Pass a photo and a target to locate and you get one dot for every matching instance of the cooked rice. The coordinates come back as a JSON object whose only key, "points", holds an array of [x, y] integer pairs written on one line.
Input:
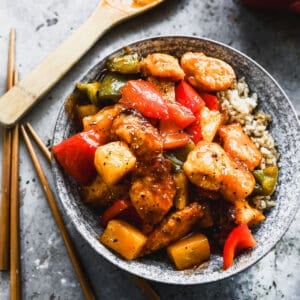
{"points": [[240, 107]]}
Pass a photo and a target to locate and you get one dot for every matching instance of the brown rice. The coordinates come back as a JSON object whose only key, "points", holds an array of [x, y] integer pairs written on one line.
{"points": [[240, 107]]}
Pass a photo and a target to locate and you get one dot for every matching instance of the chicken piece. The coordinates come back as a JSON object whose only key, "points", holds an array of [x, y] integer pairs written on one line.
{"points": [[209, 167], [99, 194], [102, 121], [162, 65], [243, 213], [205, 165], [238, 145], [207, 73], [237, 182], [166, 87], [144, 139], [210, 121], [152, 191], [174, 227]]}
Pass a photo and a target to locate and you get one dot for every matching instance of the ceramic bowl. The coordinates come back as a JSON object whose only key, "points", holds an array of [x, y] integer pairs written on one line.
{"points": [[284, 128]]}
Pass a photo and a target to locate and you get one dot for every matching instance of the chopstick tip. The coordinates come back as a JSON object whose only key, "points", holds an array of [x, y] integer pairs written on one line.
{"points": [[13, 32], [22, 127]]}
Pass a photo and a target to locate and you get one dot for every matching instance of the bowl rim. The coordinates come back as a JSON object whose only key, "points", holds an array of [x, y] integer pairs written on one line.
{"points": [[123, 264]]}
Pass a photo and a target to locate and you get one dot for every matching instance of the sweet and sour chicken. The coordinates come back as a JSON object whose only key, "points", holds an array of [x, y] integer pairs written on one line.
{"points": [[157, 157]]}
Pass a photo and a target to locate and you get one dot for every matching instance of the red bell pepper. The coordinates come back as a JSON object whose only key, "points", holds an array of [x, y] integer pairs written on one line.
{"points": [[173, 136], [187, 96], [131, 216], [122, 209], [194, 131], [175, 140], [239, 238], [211, 101], [76, 155], [144, 97], [114, 210], [181, 115]]}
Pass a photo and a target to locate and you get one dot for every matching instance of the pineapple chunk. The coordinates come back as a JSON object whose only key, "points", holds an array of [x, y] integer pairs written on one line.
{"points": [[211, 120], [181, 196], [123, 238], [190, 251], [113, 161], [83, 111]]}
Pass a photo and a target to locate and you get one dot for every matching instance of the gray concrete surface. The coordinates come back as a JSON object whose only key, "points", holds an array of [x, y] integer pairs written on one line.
{"points": [[273, 40]]}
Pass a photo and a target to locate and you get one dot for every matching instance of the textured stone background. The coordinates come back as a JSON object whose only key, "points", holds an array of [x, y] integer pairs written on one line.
{"points": [[273, 40]]}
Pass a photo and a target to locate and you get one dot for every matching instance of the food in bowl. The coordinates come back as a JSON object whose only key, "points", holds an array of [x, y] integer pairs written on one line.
{"points": [[174, 153]]}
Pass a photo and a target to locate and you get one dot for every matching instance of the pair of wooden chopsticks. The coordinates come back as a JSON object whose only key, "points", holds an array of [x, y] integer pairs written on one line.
{"points": [[141, 283], [9, 213], [86, 288], [6, 168]]}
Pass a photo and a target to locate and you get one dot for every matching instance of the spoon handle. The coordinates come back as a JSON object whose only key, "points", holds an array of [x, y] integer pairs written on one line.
{"points": [[19, 99]]}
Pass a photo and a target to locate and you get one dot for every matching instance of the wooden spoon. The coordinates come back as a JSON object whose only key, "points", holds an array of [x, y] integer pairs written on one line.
{"points": [[19, 99]]}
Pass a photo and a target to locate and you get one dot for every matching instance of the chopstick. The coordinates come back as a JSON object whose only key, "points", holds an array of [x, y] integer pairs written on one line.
{"points": [[145, 287], [11, 59], [39, 142], [86, 289], [15, 272], [6, 167], [141, 283]]}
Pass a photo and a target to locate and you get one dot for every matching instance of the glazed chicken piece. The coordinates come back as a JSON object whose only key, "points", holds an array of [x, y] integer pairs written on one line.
{"points": [[207, 73], [237, 183], [143, 138], [239, 146], [205, 165], [243, 213], [163, 66], [174, 227], [209, 167], [102, 121], [152, 191]]}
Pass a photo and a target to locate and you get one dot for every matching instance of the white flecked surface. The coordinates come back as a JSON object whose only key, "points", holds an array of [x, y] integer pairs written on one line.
{"points": [[271, 39]]}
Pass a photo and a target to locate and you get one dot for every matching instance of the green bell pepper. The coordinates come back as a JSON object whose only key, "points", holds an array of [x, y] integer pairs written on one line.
{"points": [[111, 85], [91, 90], [182, 152], [266, 180], [105, 92], [125, 64]]}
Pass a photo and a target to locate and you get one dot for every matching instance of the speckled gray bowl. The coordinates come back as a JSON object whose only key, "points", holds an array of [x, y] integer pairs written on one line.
{"points": [[284, 128]]}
